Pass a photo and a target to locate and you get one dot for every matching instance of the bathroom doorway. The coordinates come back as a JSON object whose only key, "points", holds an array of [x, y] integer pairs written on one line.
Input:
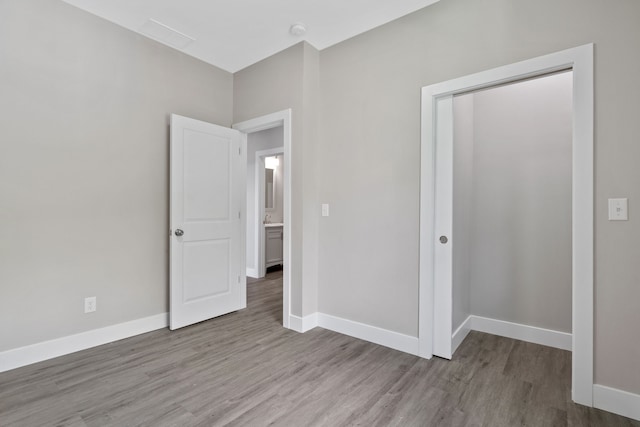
{"points": [[269, 202]]}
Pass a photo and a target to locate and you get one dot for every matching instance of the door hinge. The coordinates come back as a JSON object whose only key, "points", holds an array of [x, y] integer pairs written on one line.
{"points": [[238, 214], [238, 151], [238, 279]]}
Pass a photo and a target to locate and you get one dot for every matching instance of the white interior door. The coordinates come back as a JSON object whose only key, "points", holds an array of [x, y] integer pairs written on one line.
{"points": [[208, 198], [443, 253]]}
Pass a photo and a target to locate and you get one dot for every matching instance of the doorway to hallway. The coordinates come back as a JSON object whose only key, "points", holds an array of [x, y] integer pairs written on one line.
{"points": [[281, 119]]}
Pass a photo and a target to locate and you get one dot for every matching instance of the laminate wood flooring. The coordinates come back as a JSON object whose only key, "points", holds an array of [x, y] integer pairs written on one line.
{"points": [[245, 369]]}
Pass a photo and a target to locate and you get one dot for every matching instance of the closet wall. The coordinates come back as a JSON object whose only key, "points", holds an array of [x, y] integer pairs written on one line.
{"points": [[512, 203]]}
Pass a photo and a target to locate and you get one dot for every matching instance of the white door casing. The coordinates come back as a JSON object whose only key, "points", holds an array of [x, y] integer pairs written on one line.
{"points": [[207, 204], [434, 331]]}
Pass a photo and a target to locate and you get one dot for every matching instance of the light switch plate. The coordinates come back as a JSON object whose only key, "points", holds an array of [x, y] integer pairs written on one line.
{"points": [[618, 210], [325, 209]]}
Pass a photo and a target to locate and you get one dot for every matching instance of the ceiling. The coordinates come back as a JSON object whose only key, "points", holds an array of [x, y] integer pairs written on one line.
{"points": [[233, 34]]}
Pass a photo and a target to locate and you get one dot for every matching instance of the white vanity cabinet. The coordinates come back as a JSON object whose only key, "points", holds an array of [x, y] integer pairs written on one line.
{"points": [[273, 244]]}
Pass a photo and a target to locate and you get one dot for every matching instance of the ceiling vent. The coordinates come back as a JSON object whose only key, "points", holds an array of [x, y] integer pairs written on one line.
{"points": [[165, 34]]}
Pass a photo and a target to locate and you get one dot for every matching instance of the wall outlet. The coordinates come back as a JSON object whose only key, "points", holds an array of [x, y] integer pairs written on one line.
{"points": [[90, 304]]}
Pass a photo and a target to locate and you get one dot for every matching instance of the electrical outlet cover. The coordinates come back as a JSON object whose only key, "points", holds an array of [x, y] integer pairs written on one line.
{"points": [[90, 304]]}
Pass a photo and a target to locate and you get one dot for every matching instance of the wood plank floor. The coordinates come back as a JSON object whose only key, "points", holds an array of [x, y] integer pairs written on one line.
{"points": [[244, 369]]}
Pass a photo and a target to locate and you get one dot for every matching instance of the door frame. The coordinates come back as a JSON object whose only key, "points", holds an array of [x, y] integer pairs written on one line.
{"points": [[437, 129], [260, 209], [269, 121]]}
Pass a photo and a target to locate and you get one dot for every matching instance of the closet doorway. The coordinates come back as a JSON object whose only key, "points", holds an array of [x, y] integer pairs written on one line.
{"points": [[437, 238], [511, 214]]}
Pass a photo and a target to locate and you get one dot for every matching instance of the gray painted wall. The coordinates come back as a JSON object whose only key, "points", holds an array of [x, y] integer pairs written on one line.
{"points": [[370, 150], [512, 203], [84, 114], [289, 79]]}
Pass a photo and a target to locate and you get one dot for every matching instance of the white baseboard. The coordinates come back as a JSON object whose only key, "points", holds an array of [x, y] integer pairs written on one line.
{"points": [[309, 322], [34, 353], [303, 324], [460, 334], [253, 273], [295, 323], [561, 340], [373, 334], [616, 401]]}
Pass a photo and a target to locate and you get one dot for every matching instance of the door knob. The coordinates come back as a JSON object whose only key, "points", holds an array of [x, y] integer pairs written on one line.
{"points": [[179, 232], [443, 239]]}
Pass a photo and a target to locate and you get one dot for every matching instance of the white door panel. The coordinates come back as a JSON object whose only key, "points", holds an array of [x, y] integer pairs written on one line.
{"points": [[443, 254], [208, 165], [206, 177], [206, 272]]}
